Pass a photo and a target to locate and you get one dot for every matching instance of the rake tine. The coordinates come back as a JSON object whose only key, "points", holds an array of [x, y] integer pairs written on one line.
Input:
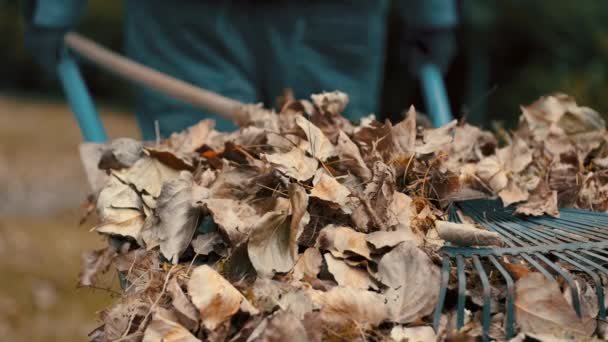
{"points": [[445, 277], [591, 214], [510, 299], [494, 227], [593, 275], [462, 288], [578, 227], [599, 289], [577, 238], [597, 256], [563, 234], [537, 237], [486, 297]]}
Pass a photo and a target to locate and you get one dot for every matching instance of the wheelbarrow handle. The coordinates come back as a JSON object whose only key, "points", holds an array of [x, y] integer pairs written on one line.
{"points": [[80, 101], [146, 76], [435, 95], [82, 104]]}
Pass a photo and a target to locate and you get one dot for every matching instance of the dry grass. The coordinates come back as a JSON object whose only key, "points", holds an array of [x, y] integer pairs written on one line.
{"points": [[41, 187]]}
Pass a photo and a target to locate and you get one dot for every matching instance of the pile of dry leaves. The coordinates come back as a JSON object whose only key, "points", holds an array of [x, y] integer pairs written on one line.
{"points": [[303, 226]]}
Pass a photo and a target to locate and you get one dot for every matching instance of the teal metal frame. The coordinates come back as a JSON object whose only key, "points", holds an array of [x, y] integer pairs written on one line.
{"points": [[435, 95], [578, 238], [80, 100]]}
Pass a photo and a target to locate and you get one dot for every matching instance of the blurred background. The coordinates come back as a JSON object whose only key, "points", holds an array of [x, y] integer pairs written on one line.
{"points": [[509, 53]]}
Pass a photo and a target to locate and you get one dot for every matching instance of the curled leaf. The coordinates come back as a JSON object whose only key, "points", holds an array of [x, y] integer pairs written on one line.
{"points": [[343, 242], [347, 275], [308, 265], [413, 282], [178, 216], [294, 164], [273, 243], [214, 297], [464, 234], [344, 305], [320, 147], [541, 309], [164, 329]]}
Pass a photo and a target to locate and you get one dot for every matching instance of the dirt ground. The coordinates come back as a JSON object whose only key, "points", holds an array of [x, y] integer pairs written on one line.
{"points": [[42, 186]]}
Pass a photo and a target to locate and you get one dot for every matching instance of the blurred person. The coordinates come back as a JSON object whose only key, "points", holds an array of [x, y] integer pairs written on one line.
{"points": [[252, 50]]}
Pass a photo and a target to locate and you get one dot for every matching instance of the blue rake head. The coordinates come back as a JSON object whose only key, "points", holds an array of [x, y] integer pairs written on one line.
{"points": [[578, 239]]}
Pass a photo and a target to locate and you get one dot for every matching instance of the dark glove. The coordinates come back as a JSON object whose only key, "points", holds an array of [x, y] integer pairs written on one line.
{"points": [[46, 22], [433, 45]]}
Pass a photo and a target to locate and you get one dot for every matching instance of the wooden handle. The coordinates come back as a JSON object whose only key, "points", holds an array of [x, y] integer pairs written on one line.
{"points": [[133, 71]]}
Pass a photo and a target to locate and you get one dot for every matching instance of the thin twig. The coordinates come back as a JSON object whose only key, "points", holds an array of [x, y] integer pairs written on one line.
{"points": [[93, 287], [271, 189], [160, 295]]}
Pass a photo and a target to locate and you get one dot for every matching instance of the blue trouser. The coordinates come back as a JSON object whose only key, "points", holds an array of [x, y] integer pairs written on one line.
{"points": [[251, 52]]}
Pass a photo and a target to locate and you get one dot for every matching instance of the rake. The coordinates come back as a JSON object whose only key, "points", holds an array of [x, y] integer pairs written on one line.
{"points": [[578, 238]]}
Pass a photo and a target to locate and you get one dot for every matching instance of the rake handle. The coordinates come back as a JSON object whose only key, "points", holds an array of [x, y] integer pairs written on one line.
{"points": [[139, 73]]}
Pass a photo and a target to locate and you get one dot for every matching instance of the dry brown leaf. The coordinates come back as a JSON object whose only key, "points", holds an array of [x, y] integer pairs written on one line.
{"points": [[296, 302], [540, 308], [470, 143], [348, 276], [542, 201], [400, 208], [350, 157], [170, 158], [273, 242], [404, 133], [117, 202], [382, 239], [281, 326], [234, 218], [345, 305], [343, 242], [266, 293], [436, 138], [512, 193], [379, 194], [93, 263], [517, 270], [308, 265], [121, 153], [116, 319], [181, 303], [178, 215], [204, 244], [464, 234], [559, 113], [515, 157], [490, 171], [129, 228], [413, 334], [162, 328], [413, 282], [147, 175], [215, 298], [319, 146], [497, 169], [332, 102], [192, 138], [329, 189], [294, 164]]}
